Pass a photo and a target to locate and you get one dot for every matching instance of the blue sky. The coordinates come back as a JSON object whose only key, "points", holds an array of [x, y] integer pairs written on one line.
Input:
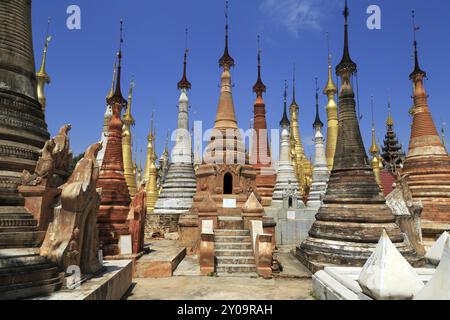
{"points": [[80, 61]]}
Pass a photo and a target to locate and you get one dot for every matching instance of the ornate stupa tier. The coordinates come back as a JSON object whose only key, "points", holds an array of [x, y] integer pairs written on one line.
{"points": [[320, 173], [392, 153], [23, 130], [354, 211], [427, 164], [179, 184]]}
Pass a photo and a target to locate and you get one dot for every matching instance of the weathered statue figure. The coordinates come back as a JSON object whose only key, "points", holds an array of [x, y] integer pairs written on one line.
{"points": [[136, 219], [53, 163], [72, 237], [407, 212]]}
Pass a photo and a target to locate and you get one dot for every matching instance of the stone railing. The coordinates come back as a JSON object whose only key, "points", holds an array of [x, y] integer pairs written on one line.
{"points": [[207, 263], [262, 249]]}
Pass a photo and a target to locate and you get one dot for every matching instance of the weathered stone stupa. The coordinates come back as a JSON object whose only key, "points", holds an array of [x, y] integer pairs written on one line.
{"points": [[320, 170], [427, 164], [179, 186], [354, 211], [260, 149], [115, 200], [225, 176], [23, 132]]}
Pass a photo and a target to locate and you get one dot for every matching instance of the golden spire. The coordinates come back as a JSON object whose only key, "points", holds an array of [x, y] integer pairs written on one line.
{"points": [[128, 117], [390, 120], [330, 88], [151, 188], [375, 152], [127, 144], [42, 77]]}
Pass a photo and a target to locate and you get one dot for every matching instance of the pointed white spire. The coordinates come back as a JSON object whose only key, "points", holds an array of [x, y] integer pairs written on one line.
{"points": [[434, 254], [387, 275], [439, 286]]}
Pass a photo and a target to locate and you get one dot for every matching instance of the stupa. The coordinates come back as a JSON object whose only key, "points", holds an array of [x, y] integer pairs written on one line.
{"points": [[320, 170], [302, 165], [260, 150], [392, 153], [330, 91], [115, 199], [23, 132], [179, 186], [427, 164], [127, 145], [354, 211]]}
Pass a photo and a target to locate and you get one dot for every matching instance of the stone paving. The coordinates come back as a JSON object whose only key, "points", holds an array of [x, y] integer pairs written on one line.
{"points": [[293, 283]]}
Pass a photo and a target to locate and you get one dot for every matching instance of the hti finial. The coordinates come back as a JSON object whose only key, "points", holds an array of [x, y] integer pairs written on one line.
{"points": [[317, 123], [371, 109], [47, 37], [346, 12], [184, 83], [285, 120], [117, 97], [417, 70], [294, 102], [329, 50], [226, 61], [259, 86]]}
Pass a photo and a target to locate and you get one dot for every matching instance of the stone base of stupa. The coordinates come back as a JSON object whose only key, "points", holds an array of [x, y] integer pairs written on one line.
{"points": [[174, 200], [341, 283], [111, 284]]}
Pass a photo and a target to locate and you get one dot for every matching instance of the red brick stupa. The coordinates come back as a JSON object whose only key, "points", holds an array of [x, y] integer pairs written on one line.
{"points": [[115, 202], [427, 164], [260, 153]]}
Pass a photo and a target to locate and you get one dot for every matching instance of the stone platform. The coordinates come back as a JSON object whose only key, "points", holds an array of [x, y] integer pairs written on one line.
{"points": [[161, 261], [340, 283], [111, 284]]}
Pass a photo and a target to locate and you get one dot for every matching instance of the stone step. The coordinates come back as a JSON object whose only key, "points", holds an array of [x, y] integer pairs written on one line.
{"points": [[233, 245], [232, 239], [231, 222], [233, 252], [238, 275], [12, 259], [17, 229], [13, 210], [231, 232], [30, 289], [235, 268], [30, 239], [28, 273], [241, 260], [17, 221]]}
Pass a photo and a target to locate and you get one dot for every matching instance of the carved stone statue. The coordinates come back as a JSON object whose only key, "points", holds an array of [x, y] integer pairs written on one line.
{"points": [[53, 164], [407, 212], [136, 219], [72, 237]]}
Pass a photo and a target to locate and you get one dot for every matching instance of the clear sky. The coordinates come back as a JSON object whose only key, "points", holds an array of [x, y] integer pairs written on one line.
{"points": [[80, 61]]}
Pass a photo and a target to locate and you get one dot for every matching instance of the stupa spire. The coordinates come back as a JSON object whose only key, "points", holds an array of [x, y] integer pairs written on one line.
{"points": [[259, 88], [225, 118], [113, 82], [42, 77], [285, 120], [317, 122], [184, 83], [346, 62], [127, 145], [117, 96], [226, 61], [128, 117]]}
